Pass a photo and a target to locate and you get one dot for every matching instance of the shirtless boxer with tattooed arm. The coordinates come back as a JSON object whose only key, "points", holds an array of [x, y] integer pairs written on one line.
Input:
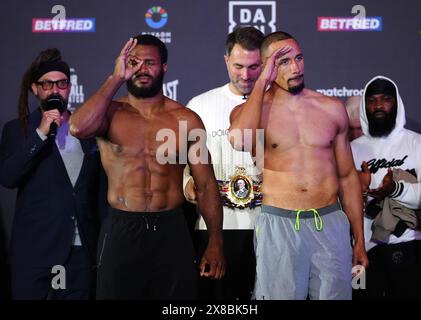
{"points": [[302, 235], [145, 250]]}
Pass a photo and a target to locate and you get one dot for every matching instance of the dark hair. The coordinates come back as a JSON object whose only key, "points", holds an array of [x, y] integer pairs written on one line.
{"points": [[274, 37], [149, 40], [32, 74], [248, 38]]}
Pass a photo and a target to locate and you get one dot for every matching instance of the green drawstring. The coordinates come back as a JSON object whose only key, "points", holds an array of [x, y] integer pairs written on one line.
{"points": [[318, 222], [297, 220]]}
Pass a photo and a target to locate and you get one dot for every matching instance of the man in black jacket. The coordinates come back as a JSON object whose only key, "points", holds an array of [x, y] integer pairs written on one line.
{"points": [[55, 227]]}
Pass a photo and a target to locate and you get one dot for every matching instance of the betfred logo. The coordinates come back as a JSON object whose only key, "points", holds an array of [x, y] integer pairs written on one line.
{"points": [[258, 14], [63, 25], [349, 24]]}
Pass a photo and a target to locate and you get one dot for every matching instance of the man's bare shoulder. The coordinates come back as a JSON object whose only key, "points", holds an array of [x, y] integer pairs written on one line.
{"points": [[182, 113], [123, 99], [235, 112], [322, 99], [331, 105], [116, 105]]}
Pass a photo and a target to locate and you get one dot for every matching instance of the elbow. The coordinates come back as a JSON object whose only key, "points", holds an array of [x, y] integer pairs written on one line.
{"points": [[75, 129], [76, 132], [235, 138], [237, 145]]}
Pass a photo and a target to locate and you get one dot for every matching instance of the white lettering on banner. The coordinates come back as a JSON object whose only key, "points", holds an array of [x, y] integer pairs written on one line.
{"points": [[76, 96], [245, 16], [349, 24], [63, 25], [259, 17], [165, 37], [258, 14], [341, 92], [170, 89]]}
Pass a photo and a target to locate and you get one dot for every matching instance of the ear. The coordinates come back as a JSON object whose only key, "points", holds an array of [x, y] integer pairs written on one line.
{"points": [[226, 58], [165, 67], [34, 89]]}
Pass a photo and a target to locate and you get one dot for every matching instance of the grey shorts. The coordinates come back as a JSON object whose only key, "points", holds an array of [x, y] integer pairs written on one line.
{"points": [[300, 254]]}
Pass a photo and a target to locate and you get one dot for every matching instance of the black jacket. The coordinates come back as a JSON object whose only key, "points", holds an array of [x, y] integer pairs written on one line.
{"points": [[47, 203]]}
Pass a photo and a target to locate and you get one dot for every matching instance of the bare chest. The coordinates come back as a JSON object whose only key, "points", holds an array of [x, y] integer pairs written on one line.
{"points": [[133, 135], [286, 129]]}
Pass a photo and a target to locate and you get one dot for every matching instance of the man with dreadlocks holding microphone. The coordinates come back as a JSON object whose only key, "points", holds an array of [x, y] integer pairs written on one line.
{"points": [[55, 227]]}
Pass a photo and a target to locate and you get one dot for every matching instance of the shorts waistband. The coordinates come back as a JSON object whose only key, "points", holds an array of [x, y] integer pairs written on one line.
{"points": [[142, 215], [304, 213]]}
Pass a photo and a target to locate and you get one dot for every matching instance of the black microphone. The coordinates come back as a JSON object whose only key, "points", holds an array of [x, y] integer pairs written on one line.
{"points": [[51, 103], [53, 130]]}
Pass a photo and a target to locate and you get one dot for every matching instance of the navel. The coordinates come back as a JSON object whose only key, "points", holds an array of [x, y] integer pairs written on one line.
{"points": [[274, 145]]}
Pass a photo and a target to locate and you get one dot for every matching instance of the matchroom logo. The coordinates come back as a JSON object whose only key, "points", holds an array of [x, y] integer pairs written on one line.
{"points": [[349, 24], [258, 14], [341, 92]]}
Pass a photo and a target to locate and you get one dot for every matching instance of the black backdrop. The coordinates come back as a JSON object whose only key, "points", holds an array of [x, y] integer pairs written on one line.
{"points": [[195, 32]]}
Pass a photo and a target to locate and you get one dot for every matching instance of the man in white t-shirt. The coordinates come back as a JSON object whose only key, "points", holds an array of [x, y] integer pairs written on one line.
{"points": [[242, 57]]}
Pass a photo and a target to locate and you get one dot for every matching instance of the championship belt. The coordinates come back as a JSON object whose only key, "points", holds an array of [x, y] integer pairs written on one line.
{"points": [[240, 191]]}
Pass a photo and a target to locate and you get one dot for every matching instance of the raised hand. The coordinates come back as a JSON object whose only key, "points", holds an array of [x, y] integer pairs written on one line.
{"points": [[386, 188], [47, 118], [270, 69], [365, 177], [127, 65]]}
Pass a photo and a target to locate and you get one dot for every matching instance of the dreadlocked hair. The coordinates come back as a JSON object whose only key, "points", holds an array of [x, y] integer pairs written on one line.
{"points": [[47, 55]]}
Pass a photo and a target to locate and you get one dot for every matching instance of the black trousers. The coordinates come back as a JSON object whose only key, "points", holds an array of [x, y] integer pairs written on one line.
{"points": [[146, 256], [238, 282], [394, 272], [36, 283]]}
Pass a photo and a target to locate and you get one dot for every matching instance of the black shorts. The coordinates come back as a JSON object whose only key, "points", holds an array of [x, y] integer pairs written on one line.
{"points": [[146, 256], [240, 262]]}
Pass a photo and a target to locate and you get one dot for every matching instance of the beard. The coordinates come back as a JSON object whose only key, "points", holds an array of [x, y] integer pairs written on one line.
{"points": [[244, 88], [54, 101], [297, 88], [146, 92], [382, 127]]}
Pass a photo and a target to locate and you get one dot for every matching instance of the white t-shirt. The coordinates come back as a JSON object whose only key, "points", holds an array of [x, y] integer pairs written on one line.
{"points": [[214, 108]]}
